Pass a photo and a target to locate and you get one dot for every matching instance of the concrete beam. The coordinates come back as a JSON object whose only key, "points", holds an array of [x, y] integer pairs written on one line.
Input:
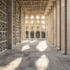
{"points": [[50, 3]]}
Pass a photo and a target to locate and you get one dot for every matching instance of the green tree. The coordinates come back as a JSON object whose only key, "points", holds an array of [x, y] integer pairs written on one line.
{"points": [[26, 27], [37, 27], [32, 27]]}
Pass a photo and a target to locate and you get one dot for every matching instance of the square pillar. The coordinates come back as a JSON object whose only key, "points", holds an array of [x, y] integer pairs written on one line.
{"points": [[52, 25], [49, 28], [63, 25], [55, 27], [58, 24], [67, 27], [29, 35], [10, 24], [40, 34], [46, 26], [21, 22], [22, 32], [34, 34]]}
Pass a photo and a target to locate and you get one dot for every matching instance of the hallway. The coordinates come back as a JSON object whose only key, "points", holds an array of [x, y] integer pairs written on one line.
{"points": [[34, 55]]}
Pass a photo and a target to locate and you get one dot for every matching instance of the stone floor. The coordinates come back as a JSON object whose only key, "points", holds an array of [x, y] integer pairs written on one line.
{"points": [[34, 55]]}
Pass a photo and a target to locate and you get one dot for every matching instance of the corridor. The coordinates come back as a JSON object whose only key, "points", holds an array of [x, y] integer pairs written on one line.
{"points": [[34, 55]]}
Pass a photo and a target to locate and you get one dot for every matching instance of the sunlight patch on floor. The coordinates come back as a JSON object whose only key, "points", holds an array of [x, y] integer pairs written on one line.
{"points": [[12, 65], [26, 47], [33, 41], [42, 62], [42, 46], [25, 41], [16, 62]]}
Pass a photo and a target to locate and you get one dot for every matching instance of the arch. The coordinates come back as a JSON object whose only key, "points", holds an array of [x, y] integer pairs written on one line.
{"points": [[32, 34], [43, 34], [27, 34], [37, 34]]}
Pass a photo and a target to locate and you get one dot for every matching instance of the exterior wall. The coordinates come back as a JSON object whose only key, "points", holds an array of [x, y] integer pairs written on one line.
{"points": [[55, 27], [58, 23], [63, 25], [3, 25]]}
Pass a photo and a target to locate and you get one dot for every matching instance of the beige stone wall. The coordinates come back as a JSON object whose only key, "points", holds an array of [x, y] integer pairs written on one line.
{"points": [[63, 25]]}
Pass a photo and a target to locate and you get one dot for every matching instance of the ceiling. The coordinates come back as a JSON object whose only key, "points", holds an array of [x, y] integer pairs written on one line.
{"points": [[34, 6]]}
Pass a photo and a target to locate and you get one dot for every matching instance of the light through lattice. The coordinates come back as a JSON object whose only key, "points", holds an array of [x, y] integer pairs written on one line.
{"points": [[37, 17], [32, 17], [26, 22], [32, 22], [43, 22], [43, 17]]}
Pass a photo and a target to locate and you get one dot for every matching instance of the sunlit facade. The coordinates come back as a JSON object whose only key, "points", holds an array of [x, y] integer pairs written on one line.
{"points": [[35, 26]]}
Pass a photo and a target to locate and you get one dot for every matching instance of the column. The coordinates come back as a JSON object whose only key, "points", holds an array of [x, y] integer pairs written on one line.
{"points": [[10, 24], [40, 34], [46, 26], [63, 25], [40, 28], [24, 31], [29, 28], [67, 27], [52, 24], [58, 24], [34, 34], [55, 27], [34, 28], [29, 34], [49, 28], [21, 22]]}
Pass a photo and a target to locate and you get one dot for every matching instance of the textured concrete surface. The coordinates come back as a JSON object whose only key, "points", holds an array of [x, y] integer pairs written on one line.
{"points": [[34, 55]]}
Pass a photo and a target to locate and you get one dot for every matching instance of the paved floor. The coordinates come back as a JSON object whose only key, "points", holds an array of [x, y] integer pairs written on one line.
{"points": [[34, 55]]}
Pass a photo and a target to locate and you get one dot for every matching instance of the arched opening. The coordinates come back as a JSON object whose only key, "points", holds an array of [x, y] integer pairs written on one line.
{"points": [[37, 34], [32, 34], [27, 34], [43, 34]]}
